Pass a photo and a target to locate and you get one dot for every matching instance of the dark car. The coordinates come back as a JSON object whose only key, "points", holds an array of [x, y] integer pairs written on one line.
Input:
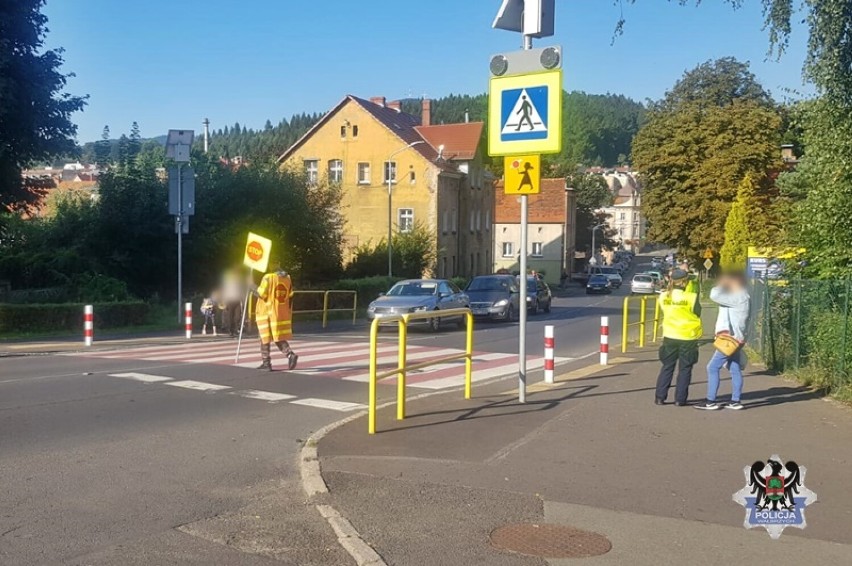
{"points": [[538, 295], [494, 296], [598, 284]]}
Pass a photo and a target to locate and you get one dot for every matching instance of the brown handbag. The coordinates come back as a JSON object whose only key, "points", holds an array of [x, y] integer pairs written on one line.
{"points": [[726, 344]]}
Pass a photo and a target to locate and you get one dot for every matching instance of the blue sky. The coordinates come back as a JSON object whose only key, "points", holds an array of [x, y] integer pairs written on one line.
{"points": [[168, 64]]}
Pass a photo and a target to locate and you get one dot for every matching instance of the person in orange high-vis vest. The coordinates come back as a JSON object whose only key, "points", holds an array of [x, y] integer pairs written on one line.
{"points": [[274, 316]]}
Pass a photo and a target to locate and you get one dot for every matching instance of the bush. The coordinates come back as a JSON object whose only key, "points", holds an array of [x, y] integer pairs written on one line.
{"points": [[69, 316], [368, 288], [460, 282]]}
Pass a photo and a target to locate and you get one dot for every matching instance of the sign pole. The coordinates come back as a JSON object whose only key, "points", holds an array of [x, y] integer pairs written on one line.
{"points": [[242, 326], [522, 323], [179, 242]]}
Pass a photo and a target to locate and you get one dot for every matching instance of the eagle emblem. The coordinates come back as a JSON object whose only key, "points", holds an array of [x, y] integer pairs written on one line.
{"points": [[775, 495]]}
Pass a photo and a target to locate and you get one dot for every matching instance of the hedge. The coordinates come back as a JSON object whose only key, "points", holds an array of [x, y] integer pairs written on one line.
{"points": [[368, 288], [69, 316]]}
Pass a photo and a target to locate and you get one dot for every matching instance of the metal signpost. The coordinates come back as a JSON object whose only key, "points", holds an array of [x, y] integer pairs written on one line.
{"points": [[181, 202], [525, 117]]}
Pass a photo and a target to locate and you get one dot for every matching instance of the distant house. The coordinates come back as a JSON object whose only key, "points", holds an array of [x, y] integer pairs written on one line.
{"points": [[435, 173], [625, 214], [551, 231]]}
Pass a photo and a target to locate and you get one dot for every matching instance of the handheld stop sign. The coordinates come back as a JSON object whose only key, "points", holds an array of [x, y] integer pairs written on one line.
{"points": [[257, 253]]}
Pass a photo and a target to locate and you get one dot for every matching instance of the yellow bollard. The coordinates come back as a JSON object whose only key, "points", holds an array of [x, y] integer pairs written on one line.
{"points": [[354, 307], [656, 316], [468, 361], [400, 376], [624, 316], [642, 317], [325, 309], [371, 403]]}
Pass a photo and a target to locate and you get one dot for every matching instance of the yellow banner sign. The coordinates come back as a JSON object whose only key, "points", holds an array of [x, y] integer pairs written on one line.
{"points": [[522, 175], [258, 249]]}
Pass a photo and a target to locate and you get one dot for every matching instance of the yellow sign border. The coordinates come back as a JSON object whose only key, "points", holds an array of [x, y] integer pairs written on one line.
{"points": [[266, 244], [553, 142]]}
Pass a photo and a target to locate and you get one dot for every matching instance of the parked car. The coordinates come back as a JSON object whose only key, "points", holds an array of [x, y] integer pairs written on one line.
{"points": [[539, 296], [420, 295], [613, 275], [643, 284], [598, 284], [494, 296]]}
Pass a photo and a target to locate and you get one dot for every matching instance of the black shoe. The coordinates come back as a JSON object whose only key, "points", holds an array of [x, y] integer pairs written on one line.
{"points": [[658, 401], [680, 403], [292, 360], [266, 365]]}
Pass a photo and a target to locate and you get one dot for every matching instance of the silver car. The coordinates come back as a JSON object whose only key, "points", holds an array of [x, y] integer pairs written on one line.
{"points": [[420, 295], [643, 284]]}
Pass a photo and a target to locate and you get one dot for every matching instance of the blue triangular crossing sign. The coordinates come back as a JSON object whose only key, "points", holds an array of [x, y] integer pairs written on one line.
{"points": [[524, 113]]}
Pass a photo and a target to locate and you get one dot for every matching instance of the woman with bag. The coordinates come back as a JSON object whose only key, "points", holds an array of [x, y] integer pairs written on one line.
{"points": [[731, 294]]}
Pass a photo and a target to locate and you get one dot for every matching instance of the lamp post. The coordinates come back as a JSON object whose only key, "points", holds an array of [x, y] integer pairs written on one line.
{"points": [[594, 229], [390, 209]]}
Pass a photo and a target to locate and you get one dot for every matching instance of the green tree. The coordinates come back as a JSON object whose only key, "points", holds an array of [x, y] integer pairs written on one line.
{"points": [[134, 145], [734, 252], [103, 148], [35, 112], [591, 193], [694, 150]]}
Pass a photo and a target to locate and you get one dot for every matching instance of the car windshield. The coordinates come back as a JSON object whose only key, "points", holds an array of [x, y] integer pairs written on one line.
{"points": [[597, 279], [643, 279], [609, 270], [490, 284], [413, 288]]}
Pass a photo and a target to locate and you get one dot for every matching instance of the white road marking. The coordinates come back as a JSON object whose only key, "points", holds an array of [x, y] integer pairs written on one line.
{"points": [[328, 404], [482, 375], [263, 395], [198, 385], [143, 377]]}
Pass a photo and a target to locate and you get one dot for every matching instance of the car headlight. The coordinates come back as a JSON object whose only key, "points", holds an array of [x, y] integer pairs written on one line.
{"points": [[501, 303], [372, 307], [529, 299], [418, 309]]}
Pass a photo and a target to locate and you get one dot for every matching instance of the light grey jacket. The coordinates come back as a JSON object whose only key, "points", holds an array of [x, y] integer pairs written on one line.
{"points": [[733, 311]]}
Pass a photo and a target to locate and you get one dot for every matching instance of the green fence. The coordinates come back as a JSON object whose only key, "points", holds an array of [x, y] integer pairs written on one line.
{"points": [[803, 326]]}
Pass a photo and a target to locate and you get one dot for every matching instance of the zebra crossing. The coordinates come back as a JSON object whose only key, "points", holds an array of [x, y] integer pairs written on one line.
{"points": [[347, 361]]}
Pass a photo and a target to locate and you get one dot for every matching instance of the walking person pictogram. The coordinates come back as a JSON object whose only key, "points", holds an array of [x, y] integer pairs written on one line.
{"points": [[525, 111], [526, 180]]}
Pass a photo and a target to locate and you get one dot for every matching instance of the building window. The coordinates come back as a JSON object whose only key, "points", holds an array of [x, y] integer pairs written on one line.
{"points": [[455, 215], [412, 177], [622, 216], [342, 131], [508, 249], [472, 221], [363, 173], [312, 170], [478, 222], [406, 219], [487, 220], [537, 249], [390, 172], [354, 131], [335, 171], [446, 223]]}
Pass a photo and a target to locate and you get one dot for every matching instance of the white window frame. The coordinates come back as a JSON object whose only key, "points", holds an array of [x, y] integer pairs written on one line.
{"points": [[537, 252], [335, 171], [389, 165], [507, 249], [312, 170], [405, 219], [358, 178]]}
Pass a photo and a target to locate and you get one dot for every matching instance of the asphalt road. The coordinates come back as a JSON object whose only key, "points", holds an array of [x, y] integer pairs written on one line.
{"points": [[98, 469]]}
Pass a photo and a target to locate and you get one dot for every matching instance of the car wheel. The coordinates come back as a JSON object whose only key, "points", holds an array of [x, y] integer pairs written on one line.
{"points": [[547, 308], [534, 309], [435, 323], [588, 292], [510, 313]]}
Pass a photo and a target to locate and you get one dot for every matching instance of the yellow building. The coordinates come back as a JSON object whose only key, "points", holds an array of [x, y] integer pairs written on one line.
{"points": [[435, 173]]}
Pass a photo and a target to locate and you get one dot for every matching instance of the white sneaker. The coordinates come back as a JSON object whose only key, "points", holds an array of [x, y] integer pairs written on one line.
{"points": [[708, 406], [736, 405]]}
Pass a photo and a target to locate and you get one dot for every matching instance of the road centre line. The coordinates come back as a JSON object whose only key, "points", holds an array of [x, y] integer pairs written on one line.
{"points": [[198, 385]]}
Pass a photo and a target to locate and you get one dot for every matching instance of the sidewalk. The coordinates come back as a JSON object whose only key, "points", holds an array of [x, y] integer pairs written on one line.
{"points": [[595, 453], [105, 340]]}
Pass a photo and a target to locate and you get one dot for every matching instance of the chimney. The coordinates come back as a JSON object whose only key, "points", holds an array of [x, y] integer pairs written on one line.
{"points": [[378, 100], [427, 112], [206, 124], [466, 116], [395, 105]]}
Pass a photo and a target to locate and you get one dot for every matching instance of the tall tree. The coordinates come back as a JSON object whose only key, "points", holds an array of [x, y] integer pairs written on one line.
{"points": [[734, 251], [695, 148], [35, 112], [134, 145], [103, 148]]}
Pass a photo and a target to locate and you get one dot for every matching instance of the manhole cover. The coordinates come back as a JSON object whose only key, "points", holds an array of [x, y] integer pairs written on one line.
{"points": [[549, 541]]}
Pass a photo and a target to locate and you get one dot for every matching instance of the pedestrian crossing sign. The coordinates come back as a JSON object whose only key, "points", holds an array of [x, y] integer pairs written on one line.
{"points": [[522, 175], [525, 114]]}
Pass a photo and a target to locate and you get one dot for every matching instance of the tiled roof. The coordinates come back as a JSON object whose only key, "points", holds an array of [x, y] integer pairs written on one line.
{"points": [[460, 141], [547, 207], [401, 124]]}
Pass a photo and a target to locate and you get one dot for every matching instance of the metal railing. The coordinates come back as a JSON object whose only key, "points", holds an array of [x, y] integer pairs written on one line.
{"points": [[643, 320], [401, 369], [325, 304]]}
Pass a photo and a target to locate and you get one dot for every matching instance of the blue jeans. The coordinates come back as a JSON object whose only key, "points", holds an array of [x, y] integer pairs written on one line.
{"points": [[734, 363]]}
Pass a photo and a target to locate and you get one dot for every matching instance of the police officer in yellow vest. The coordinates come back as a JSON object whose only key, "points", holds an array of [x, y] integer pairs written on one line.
{"points": [[681, 332], [274, 315]]}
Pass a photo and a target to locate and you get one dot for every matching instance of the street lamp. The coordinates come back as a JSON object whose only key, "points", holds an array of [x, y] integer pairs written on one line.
{"points": [[390, 212], [594, 229]]}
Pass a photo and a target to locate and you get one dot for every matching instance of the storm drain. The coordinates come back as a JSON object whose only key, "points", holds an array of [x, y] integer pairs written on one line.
{"points": [[549, 541]]}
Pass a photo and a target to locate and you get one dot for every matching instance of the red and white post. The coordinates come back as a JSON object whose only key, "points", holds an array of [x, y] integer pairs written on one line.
{"points": [[604, 340], [188, 319], [549, 343], [88, 324]]}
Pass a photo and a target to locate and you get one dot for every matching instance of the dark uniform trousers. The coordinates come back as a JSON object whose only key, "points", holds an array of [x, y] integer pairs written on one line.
{"points": [[684, 355]]}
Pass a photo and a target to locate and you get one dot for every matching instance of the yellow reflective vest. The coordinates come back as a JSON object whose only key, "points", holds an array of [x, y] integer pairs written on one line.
{"points": [[274, 307], [679, 319]]}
